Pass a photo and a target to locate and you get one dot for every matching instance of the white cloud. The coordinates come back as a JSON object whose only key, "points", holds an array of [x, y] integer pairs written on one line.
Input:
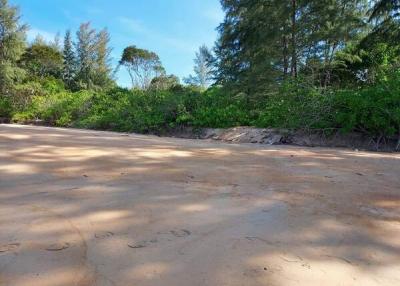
{"points": [[33, 33]]}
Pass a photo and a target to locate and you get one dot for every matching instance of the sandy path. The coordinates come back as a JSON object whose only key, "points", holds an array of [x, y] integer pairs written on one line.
{"points": [[98, 208]]}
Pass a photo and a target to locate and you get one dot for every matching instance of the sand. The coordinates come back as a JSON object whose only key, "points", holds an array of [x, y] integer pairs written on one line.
{"points": [[100, 208]]}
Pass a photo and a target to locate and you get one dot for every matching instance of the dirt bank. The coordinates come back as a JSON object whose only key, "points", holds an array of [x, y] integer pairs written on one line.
{"points": [[268, 136], [100, 208]]}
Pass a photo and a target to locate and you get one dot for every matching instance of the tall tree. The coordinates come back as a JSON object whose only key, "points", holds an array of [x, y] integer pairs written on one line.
{"points": [[56, 42], [385, 8], [294, 41], [264, 41], [102, 68], [202, 68], [386, 15], [334, 24], [86, 55], [142, 66], [12, 45], [69, 61]]}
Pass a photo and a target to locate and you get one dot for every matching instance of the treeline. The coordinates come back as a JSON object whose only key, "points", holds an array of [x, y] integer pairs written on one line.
{"points": [[324, 66], [327, 43]]}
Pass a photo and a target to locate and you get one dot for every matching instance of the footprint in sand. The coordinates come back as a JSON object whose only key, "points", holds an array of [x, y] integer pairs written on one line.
{"points": [[180, 233], [103, 234], [145, 243], [142, 244], [58, 246], [9, 247]]}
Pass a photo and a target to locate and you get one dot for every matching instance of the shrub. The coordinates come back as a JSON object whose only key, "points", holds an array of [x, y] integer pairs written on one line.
{"points": [[373, 110], [297, 106], [6, 109], [218, 109]]}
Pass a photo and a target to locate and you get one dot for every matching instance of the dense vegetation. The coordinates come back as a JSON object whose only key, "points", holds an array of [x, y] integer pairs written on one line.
{"points": [[317, 65]]}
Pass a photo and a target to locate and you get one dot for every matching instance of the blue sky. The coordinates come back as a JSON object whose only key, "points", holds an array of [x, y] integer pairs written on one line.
{"points": [[174, 29]]}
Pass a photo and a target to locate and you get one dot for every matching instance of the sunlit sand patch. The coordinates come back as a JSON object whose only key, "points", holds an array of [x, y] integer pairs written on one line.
{"points": [[15, 136], [164, 153], [195, 208], [17, 169], [150, 271], [105, 216], [53, 277]]}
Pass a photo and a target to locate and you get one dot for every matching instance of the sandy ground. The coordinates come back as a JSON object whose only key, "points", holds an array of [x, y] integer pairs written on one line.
{"points": [[98, 208]]}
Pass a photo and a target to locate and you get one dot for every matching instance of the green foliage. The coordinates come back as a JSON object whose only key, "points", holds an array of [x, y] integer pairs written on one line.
{"points": [[218, 109], [142, 66], [296, 64], [42, 60], [203, 74], [12, 44], [374, 110], [6, 109], [92, 54], [297, 105], [55, 106], [63, 108], [165, 82], [140, 111], [69, 61], [262, 43]]}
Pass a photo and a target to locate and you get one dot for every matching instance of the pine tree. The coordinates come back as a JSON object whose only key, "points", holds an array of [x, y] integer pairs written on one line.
{"points": [[263, 42], [86, 55], [56, 42], [386, 8], [254, 47], [69, 63], [102, 72], [12, 45], [203, 69]]}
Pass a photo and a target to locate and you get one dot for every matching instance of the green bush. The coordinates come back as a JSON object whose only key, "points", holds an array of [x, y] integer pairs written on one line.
{"points": [[218, 109], [6, 109], [373, 110], [140, 111], [297, 106]]}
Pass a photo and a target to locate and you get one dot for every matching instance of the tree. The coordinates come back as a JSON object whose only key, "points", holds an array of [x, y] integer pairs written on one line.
{"points": [[335, 24], [254, 48], [385, 14], [164, 82], [202, 69], [102, 69], [56, 42], [93, 63], [12, 45], [386, 8], [86, 55], [42, 60], [142, 66], [263, 42], [69, 61]]}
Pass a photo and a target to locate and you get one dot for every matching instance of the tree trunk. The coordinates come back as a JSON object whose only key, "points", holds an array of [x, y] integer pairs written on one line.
{"points": [[294, 42], [285, 54]]}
